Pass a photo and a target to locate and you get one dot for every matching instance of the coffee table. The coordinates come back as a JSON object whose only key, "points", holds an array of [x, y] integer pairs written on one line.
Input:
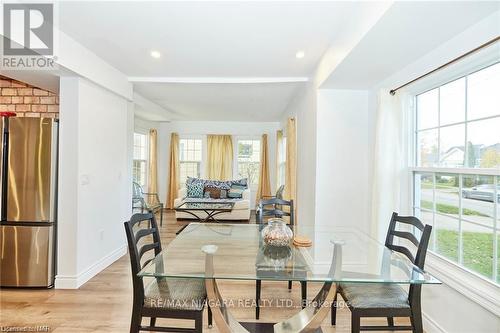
{"points": [[210, 208]]}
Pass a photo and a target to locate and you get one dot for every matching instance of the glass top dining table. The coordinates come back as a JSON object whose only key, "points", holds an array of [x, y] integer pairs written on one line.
{"points": [[237, 252]]}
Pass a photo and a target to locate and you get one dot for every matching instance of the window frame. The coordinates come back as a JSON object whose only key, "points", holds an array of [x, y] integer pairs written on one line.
{"points": [[145, 133], [444, 266], [203, 153], [236, 162]]}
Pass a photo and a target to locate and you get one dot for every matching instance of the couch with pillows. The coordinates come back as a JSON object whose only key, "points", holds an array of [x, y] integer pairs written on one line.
{"points": [[204, 190]]}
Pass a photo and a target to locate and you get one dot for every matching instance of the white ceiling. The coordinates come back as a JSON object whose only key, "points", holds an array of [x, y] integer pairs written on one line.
{"points": [[221, 102], [211, 39], [406, 32]]}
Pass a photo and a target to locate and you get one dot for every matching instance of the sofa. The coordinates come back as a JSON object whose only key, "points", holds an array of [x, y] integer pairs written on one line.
{"points": [[241, 209]]}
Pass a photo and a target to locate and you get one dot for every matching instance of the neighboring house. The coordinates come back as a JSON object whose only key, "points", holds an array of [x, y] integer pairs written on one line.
{"points": [[454, 157]]}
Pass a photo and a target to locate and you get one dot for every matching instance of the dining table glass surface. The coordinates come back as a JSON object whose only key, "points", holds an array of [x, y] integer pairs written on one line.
{"points": [[238, 252]]}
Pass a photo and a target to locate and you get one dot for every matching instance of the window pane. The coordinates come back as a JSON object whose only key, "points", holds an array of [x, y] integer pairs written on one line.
{"points": [[426, 218], [484, 143], [424, 191], [478, 249], [427, 148], [427, 109], [477, 199], [447, 200], [451, 144], [452, 102], [498, 256], [446, 233], [483, 99]]}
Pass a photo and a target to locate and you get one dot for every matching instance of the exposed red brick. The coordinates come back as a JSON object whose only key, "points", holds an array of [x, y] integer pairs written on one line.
{"points": [[31, 100], [47, 100], [40, 92], [5, 100], [23, 107], [39, 108], [9, 92], [7, 107], [17, 84], [53, 108], [19, 114], [5, 83], [17, 100], [50, 115], [25, 91], [32, 114]]}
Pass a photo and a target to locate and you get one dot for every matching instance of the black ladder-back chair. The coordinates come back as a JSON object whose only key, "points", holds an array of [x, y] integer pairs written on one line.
{"points": [[153, 301], [389, 300], [276, 212]]}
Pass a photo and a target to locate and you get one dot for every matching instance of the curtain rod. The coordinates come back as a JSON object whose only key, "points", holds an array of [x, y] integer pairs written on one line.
{"points": [[494, 40]]}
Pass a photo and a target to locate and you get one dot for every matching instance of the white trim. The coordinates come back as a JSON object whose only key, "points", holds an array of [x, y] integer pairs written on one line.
{"points": [[430, 325], [466, 171], [216, 80], [76, 281], [481, 291]]}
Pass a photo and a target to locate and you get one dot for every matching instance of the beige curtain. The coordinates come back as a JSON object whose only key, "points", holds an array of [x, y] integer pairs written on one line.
{"points": [[153, 160], [291, 161], [279, 153], [264, 188], [220, 157], [173, 179]]}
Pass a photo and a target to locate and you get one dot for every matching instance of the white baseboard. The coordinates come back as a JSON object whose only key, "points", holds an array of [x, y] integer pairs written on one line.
{"points": [[430, 325], [76, 281]]}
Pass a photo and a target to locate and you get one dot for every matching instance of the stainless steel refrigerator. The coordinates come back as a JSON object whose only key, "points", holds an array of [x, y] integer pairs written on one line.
{"points": [[28, 199]]}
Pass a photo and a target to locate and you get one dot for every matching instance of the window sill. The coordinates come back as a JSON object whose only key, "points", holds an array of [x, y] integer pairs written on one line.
{"points": [[479, 290]]}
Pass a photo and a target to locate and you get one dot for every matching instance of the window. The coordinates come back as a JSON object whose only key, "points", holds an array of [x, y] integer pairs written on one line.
{"points": [[281, 162], [190, 157], [458, 128], [140, 162], [249, 160]]}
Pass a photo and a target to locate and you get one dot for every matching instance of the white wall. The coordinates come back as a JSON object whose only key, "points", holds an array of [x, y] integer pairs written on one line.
{"points": [[95, 178], [202, 128], [459, 305]]}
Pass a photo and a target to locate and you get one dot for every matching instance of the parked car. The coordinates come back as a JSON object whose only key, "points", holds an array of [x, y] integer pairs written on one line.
{"points": [[484, 192]]}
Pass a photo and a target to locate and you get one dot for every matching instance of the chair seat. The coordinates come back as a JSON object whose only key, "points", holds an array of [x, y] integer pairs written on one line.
{"points": [[374, 295], [175, 294]]}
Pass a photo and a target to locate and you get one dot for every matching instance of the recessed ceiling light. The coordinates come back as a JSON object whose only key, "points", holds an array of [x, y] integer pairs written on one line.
{"points": [[155, 54], [300, 54]]}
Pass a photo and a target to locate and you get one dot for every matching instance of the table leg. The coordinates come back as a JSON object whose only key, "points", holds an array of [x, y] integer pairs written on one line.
{"points": [[184, 227]]}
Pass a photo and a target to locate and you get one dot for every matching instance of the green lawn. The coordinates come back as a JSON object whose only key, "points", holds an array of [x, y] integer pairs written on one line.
{"points": [[449, 209], [477, 249]]}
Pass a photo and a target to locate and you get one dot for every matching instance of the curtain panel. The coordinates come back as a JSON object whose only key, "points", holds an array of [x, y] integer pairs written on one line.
{"points": [[279, 154], [153, 161], [219, 157], [264, 188], [173, 177], [389, 161], [291, 160]]}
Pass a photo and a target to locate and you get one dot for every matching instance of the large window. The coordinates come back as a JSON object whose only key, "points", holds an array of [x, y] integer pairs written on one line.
{"points": [[249, 160], [457, 174], [190, 157], [140, 162]]}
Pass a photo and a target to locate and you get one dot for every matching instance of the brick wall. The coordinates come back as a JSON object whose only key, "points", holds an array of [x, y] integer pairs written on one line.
{"points": [[26, 100]]}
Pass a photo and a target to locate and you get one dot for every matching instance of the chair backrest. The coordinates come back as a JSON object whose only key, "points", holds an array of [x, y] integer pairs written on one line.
{"points": [[273, 210], [421, 244], [137, 251], [279, 192], [137, 192]]}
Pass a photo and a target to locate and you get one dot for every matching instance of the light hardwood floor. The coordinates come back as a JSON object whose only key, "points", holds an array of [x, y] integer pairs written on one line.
{"points": [[104, 303]]}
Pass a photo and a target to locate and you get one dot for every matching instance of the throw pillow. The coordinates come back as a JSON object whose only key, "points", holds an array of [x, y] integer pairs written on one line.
{"points": [[236, 191], [213, 192], [195, 190], [241, 182]]}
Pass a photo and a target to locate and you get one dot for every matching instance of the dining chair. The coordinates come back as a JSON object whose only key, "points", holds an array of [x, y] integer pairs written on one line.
{"points": [[390, 300], [161, 297], [146, 201], [273, 211]]}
